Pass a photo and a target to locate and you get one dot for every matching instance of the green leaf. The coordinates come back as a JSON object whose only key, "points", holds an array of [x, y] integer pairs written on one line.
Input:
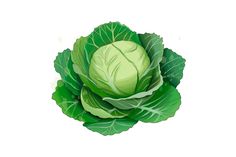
{"points": [[159, 106], [70, 104], [63, 65], [80, 65], [111, 126], [153, 44], [136, 99], [129, 102], [98, 107], [157, 80], [154, 47], [78, 56], [172, 66]]}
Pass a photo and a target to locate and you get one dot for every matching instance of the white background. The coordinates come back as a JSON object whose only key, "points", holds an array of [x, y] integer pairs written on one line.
{"points": [[33, 32]]}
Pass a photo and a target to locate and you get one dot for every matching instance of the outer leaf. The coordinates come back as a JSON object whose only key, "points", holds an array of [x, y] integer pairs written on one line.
{"points": [[172, 67], [111, 126], [81, 66], [70, 104], [159, 106], [63, 66], [151, 78], [153, 45], [157, 80], [98, 107], [78, 56]]}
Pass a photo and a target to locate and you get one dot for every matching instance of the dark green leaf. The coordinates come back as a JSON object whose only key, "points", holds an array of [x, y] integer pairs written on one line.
{"points": [[159, 106], [63, 65], [153, 45], [71, 105], [172, 66], [111, 126]]}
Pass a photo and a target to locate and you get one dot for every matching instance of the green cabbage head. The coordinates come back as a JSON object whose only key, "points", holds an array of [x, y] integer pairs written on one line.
{"points": [[114, 78]]}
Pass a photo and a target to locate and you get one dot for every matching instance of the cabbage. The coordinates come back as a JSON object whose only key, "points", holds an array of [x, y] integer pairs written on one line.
{"points": [[114, 78]]}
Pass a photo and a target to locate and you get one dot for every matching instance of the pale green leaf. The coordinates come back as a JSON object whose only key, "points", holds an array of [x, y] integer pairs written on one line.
{"points": [[116, 67], [98, 107]]}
